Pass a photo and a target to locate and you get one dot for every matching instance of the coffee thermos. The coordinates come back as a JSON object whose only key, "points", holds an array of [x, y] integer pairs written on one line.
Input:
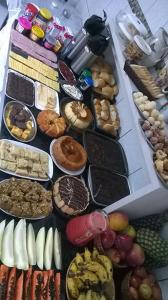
{"points": [[84, 59]]}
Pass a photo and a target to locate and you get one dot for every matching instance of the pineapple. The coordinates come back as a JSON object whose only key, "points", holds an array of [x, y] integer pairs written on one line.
{"points": [[153, 245], [153, 222]]}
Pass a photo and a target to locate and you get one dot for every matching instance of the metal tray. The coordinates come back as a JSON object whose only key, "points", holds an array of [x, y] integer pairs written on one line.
{"points": [[91, 186], [143, 133], [97, 127], [21, 145], [31, 117], [107, 164], [40, 107], [73, 173], [20, 75]]}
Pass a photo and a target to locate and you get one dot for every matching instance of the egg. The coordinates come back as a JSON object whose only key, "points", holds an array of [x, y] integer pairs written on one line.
{"points": [[151, 120], [154, 113], [153, 104]]}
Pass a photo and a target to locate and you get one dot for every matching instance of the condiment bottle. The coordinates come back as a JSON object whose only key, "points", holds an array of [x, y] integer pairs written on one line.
{"points": [[86, 83], [43, 18], [85, 73], [36, 33], [83, 229]]}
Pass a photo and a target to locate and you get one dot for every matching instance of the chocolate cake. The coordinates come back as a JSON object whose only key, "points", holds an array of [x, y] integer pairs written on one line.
{"points": [[21, 89], [70, 195]]}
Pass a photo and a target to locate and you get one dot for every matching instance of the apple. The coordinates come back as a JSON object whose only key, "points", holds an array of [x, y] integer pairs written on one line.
{"points": [[108, 238], [145, 291], [135, 281], [140, 272], [133, 293], [136, 256], [114, 255], [118, 221], [129, 230], [124, 242]]}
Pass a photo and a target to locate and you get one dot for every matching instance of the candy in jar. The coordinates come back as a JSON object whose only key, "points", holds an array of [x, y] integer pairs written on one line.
{"points": [[83, 229]]}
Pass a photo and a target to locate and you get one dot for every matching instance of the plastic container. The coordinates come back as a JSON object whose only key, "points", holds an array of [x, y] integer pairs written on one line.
{"points": [[83, 229], [49, 42], [30, 11], [137, 49], [36, 33], [85, 73], [23, 25], [86, 84], [43, 18]]}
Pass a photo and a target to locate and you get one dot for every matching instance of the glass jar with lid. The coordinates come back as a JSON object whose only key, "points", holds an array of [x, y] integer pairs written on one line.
{"points": [[137, 49], [43, 18]]}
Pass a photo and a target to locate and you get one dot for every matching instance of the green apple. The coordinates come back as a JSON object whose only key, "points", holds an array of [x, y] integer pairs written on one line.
{"points": [[129, 230], [145, 291]]}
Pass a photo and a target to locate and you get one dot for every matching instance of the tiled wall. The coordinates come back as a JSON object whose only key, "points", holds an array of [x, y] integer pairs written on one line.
{"points": [[155, 11]]}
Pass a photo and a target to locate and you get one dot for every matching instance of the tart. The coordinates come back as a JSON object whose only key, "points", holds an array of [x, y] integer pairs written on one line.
{"points": [[69, 153], [70, 195], [51, 123], [78, 114]]}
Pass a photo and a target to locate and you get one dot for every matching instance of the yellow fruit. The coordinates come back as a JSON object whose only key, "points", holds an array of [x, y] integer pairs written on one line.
{"points": [[73, 290], [118, 221], [87, 255], [90, 277], [79, 259], [82, 296], [89, 295], [73, 268], [100, 271], [107, 264], [95, 253]]}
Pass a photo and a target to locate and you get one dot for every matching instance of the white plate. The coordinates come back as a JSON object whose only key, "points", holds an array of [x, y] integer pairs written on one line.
{"points": [[23, 76], [25, 146], [27, 218], [41, 107], [73, 173]]}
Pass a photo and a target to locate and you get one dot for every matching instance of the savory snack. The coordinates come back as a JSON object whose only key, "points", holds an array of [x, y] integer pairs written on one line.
{"points": [[69, 154], [156, 137], [19, 121], [46, 98], [78, 114], [72, 91], [148, 110], [107, 117], [23, 161], [51, 123], [66, 72], [25, 198], [161, 164], [20, 88], [103, 79], [70, 195], [147, 79]]}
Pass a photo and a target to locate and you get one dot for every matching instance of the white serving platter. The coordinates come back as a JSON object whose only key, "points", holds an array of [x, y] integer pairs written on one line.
{"points": [[73, 173], [41, 107], [25, 146]]}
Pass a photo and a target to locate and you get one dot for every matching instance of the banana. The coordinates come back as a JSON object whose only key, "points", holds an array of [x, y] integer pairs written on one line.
{"points": [[79, 283], [87, 255], [89, 277], [82, 297], [89, 295], [73, 290], [97, 268], [107, 264], [102, 297], [95, 296], [79, 259], [73, 268], [95, 253]]}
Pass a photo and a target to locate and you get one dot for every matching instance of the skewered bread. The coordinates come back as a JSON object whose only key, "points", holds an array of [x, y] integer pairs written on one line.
{"points": [[51, 123]]}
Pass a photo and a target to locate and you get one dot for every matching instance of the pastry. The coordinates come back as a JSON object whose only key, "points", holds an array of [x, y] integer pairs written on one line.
{"points": [[78, 114], [51, 123], [106, 116], [46, 97], [23, 161], [161, 164], [69, 153], [70, 195]]}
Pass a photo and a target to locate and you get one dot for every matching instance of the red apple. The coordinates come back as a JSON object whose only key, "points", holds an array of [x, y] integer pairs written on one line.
{"points": [[136, 256], [114, 255], [140, 272], [133, 293], [124, 242], [135, 281], [108, 238]]}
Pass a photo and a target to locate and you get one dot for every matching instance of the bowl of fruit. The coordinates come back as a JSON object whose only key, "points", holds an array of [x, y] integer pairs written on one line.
{"points": [[118, 242], [90, 276], [140, 285]]}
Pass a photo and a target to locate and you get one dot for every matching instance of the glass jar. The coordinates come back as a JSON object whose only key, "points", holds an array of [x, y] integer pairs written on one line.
{"points": [[49, 42], [30, 11], [23, 25], [36, 33], [43, 18], [137, 49]]}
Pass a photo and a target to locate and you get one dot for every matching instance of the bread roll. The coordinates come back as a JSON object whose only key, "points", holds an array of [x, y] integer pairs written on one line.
{"points": [[95, 68], [106, 76], [108, 90], [98, 90], [95, 75], [99, 83], [106, 68]]}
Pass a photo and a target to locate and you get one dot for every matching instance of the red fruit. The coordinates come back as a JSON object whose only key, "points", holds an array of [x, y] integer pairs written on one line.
{"points": [[140, 272], [122, 255], [124, 242], [108, 238], [156, 292], [136, 256], [114, 255], [133, 293], [150, 280], [135, 281]]}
